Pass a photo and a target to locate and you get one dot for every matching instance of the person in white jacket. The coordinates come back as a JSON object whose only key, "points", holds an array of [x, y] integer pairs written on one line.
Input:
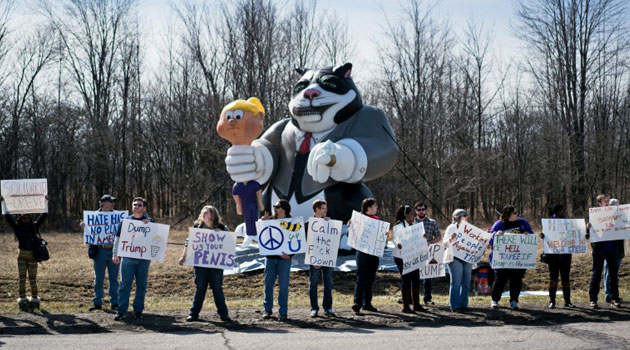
{"points": [[460, 270]]}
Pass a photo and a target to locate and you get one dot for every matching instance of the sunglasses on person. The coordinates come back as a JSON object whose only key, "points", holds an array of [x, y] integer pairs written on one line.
{"points": [[137, 205], [421, 209], [277, 206]]}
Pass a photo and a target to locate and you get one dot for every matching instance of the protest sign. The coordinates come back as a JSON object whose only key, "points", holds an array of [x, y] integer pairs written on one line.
{"points": [[322, 244], [514, 251], [470, 242], [25, 196], [101, 226], [210, 248], [142, 241], [281, 236], [434, 266], [610, 223], [413, 246], [367, 235], [564, 236]]}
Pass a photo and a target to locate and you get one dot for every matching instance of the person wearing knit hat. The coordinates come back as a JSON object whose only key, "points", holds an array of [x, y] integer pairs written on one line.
{"points": [[460, 271]]}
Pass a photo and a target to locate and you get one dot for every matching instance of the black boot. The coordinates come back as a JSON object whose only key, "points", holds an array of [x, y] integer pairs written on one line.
{"points": [[415, 296], [566, 291], [406, 296], [552, 297]]}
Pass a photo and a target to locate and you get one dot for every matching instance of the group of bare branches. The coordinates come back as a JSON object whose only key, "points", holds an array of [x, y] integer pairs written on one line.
{"points": [[82, 107]]}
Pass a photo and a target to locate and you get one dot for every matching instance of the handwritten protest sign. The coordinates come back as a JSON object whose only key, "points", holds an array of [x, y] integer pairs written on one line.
{"points": [[281, 236], [610, 223], [514, 251], [434, 266], [142, 241], [470, 242], [367, 235], [564, 236], [414, 247], [210, 248], [101, 226], [322, 244], [25, 196]]}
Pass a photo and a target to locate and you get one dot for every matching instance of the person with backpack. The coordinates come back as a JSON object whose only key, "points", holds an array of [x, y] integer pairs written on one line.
{"points": [[26, 232]]}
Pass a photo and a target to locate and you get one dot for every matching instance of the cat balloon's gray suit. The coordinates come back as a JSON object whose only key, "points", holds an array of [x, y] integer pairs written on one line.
{"points": [[368, 126]]}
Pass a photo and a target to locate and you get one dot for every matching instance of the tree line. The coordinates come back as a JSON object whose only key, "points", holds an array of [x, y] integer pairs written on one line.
{"points": [[82, 107]]}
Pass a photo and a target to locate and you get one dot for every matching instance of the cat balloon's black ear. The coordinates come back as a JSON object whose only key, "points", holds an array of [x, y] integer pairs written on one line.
{"points": [[344, 70], [301, 71]]}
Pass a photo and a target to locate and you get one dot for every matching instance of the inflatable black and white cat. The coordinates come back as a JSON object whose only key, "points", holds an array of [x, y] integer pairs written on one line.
{"points": [[330, 146]]}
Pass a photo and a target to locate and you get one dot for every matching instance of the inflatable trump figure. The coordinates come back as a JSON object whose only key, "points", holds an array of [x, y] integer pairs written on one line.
{"points": [[240, 123], [327, 149]]}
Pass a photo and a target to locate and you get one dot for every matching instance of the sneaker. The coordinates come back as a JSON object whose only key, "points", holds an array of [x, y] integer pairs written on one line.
{"points": [[514, 305], [329, 313], [594, 305], [370, 308], [615, 304], [114, 307], [569, 305], [95, 307], [429, 302], [266, 315], [138, 315], [23, 304], [120, 317], [356, 308], [400, 301], [192, 318], [33, 303], [282, 317], [552, 305], [225, 318], [313, 313], [494, 304]]}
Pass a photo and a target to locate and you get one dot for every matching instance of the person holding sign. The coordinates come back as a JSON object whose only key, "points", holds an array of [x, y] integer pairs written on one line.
{"points": [[131, 268], [315, 273], [367, 265], [460, 271], [208, 219], [604, 251], [102, 258], [559, 264], [510, 222], [409, 282], [26, 232], [278, 266], [620, 255], [432, 232]]}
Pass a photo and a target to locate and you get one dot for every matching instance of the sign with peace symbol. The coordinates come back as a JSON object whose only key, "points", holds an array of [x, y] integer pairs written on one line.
{"points": [[271, 238]]}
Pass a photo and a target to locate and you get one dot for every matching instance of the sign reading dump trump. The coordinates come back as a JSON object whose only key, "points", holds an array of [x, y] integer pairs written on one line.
{"points": [[322, 244], [434, 266], [413, 246], [26, 196], [367, 235], [101, 226], [470, 243], [564, 236], [610, 223], [142, 241], [514, 251], [281, 236], [210, 248]]}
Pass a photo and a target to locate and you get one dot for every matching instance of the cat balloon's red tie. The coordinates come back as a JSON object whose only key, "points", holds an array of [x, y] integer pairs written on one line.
{"points": [[305, 146]]}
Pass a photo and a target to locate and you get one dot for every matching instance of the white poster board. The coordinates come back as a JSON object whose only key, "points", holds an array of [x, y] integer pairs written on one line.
{"points": [[101, 226], [367, 235], [142, 241], [564, 236], [610, 223], [24, 196], [210, 248], [470, 243], [514, 251], [434, 266], [413, 246], [322, 243], [281, 236]]}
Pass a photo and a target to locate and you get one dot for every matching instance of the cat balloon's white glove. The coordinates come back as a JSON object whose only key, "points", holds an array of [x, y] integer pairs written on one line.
{"points": [[344, 161], [247, 163]]}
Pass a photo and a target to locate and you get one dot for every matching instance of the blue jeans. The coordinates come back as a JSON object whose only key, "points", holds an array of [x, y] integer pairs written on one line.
{"points": [[460, 283], [129, 269], [104, 260], [599, 256], [279, 268], [315, 275], [607, 279], [214, 277]]}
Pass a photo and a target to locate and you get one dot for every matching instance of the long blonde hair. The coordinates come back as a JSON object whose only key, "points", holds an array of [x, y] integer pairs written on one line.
{"points": [[214, 213]]}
